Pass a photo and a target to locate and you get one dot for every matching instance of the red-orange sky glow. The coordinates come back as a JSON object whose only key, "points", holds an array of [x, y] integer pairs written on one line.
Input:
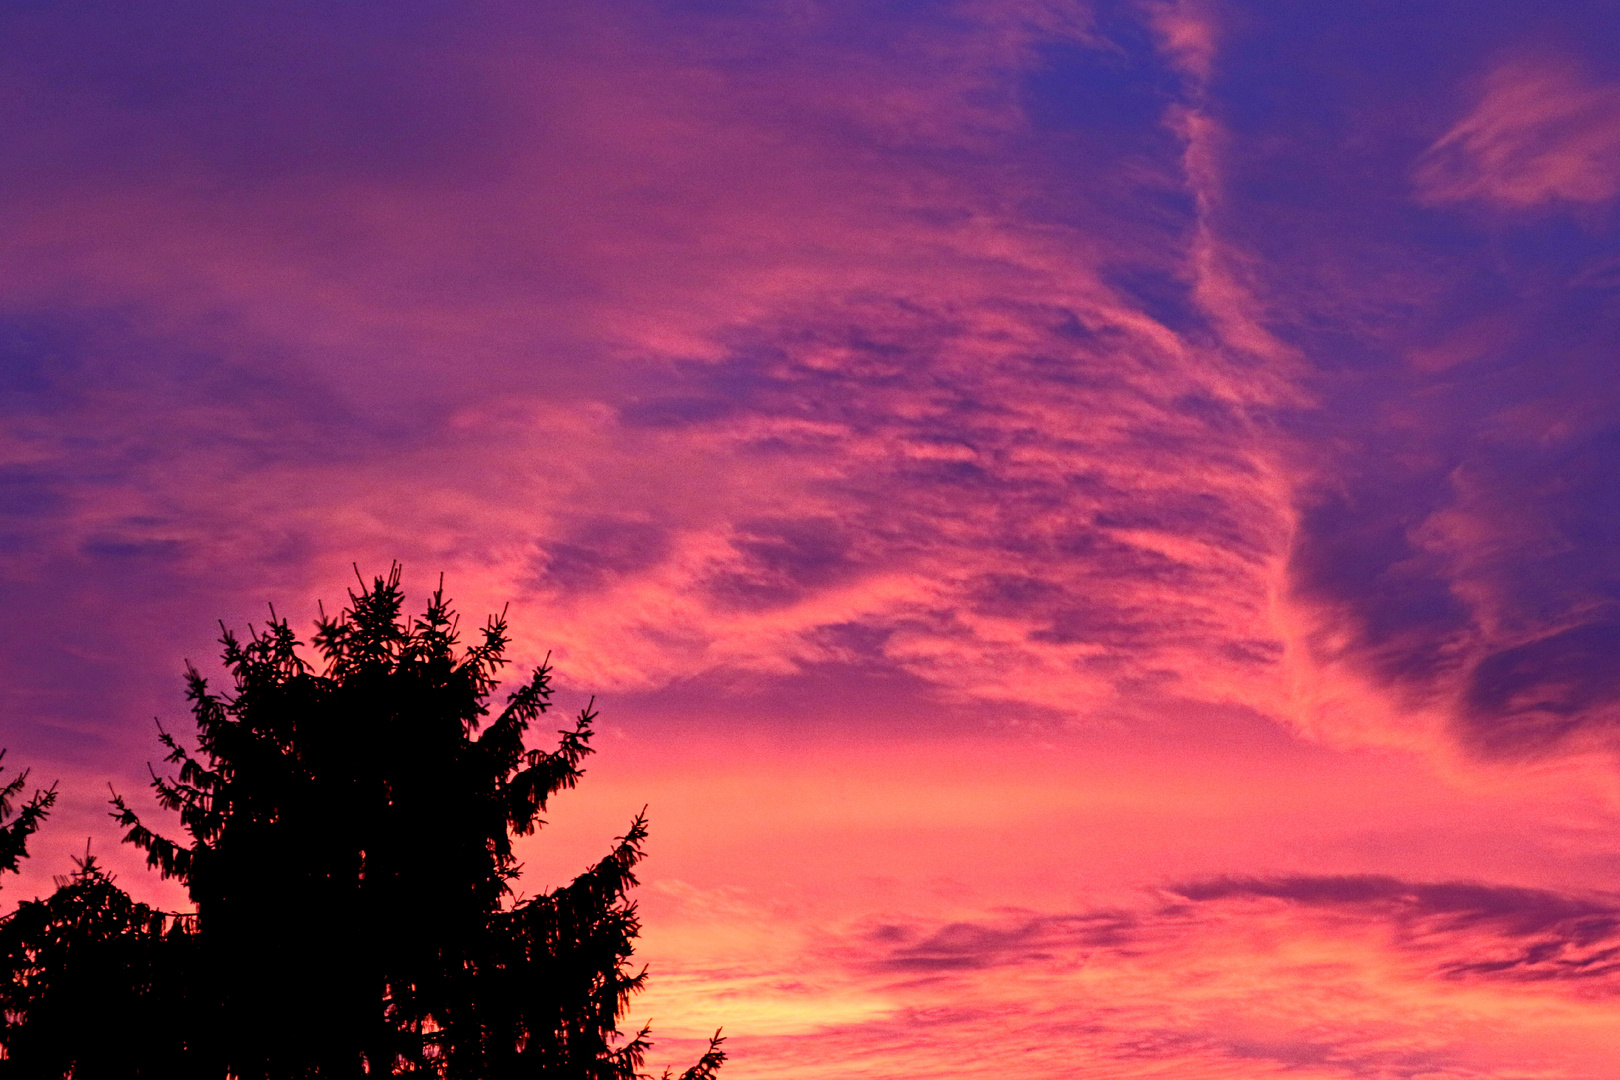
{"points": [[1094, 529]]}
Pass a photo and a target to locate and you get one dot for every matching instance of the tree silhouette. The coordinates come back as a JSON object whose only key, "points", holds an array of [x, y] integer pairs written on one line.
{"points": [[15, 831], [350, 859], [90, 958]]}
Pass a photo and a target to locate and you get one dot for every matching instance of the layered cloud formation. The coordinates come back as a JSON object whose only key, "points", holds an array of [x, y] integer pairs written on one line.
{"points": [[967, 346], [1177, 375], [1314, 977]]}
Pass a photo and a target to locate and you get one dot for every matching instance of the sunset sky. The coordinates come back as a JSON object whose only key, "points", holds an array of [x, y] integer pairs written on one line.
{"points": [[1094, 529]]}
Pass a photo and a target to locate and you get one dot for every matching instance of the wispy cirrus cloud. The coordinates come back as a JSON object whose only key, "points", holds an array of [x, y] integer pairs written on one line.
{"points": [[962, 353], [1462, 930], [1455, 367], [1542, 132], [1321, 977], [777, 371]]}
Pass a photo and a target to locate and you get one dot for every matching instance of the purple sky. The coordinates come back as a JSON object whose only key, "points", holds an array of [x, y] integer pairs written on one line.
{"points": [[1095, 528]]}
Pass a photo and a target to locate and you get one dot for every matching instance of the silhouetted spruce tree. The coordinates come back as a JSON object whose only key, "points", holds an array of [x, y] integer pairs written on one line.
{"points": [[350, 860], [43, 1002], [15, 831], [95, 983]]}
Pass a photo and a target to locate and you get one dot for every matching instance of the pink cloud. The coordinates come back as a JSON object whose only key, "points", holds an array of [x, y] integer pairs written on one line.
{"points": [[721, 372], [1218, 983], [1541, 132], [1008, 907], [930, 418]]}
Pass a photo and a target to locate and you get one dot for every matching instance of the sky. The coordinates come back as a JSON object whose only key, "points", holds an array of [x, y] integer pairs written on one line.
{"points": [[1094, 529]]}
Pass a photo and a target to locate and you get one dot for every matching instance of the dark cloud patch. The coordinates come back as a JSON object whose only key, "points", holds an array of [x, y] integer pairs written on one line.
{"points": [[1456, 563], [1204, 515], [1357, 555], [598, 552], [856, 693], [1479, 568], [28, 494], [109, 381], [1096, 110], [1519, 910], [781, 560], [1163, 295], [1293, 1053], [151, 91], [1076, 621], [1531, 696], [41, 357], [1565, 485], [672, 412], [1257, 652], [1119, 86], [1013, 595], [126, 547], [1463, 929], [889, 934], [967, 946]]}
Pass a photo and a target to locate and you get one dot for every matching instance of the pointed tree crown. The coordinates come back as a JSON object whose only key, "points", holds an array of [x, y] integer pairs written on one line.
{"points": [[349, 831]]}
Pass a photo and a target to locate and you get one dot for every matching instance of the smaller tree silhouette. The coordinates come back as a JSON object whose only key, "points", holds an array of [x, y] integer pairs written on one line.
{"points": [[15, 831], [349, 855], [89, 957]]}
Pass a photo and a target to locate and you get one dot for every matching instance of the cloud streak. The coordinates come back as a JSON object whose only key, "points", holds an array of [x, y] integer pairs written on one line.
{"points": [[1317, 977], [869, 400], [1541, 133]]}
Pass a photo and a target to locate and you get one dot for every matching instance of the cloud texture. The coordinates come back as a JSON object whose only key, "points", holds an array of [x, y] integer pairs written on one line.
{"points": [[1224, 385], [1314, 977]]}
